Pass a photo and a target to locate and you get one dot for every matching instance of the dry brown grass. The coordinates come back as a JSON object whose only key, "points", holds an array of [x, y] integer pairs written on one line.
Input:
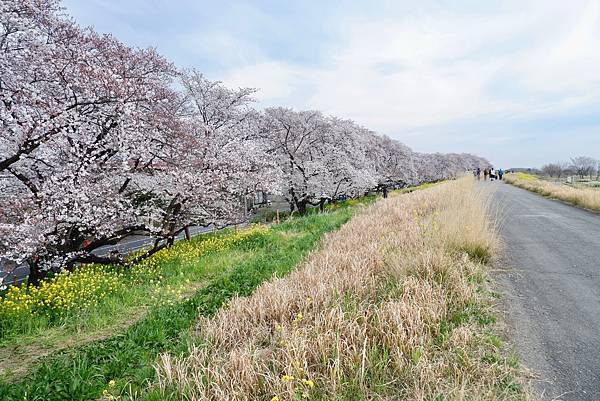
{"points": [[588, 198], [392, 306]]}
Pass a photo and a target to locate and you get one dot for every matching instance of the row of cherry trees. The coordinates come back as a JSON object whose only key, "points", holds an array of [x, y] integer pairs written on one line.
{"points": [[100, 141]]}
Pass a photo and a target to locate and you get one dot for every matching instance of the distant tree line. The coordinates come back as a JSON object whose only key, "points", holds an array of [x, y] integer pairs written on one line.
{"points": [[581, 166]]}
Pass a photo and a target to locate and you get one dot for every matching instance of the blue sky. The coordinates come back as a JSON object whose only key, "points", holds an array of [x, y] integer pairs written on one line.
{"points": [[517, 82]]}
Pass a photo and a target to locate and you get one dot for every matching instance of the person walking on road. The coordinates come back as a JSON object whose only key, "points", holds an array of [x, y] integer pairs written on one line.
{"points": [[500, 174], [486, 173], [478, 173]]}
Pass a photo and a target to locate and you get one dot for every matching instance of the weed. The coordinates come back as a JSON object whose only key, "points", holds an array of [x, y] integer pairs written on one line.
{"points": [[127, 357], [586, 197], [389, 308]]}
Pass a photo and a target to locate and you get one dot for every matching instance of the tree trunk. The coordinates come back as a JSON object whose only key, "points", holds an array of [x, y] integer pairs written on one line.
{"points": [[301, 206], [322, 204], [385, 192], [172, 224], [187, 233], [36, 275]]}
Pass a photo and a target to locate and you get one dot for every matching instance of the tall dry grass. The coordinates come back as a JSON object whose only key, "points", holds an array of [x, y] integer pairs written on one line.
{"points": [[393, 306], [588, 198]]}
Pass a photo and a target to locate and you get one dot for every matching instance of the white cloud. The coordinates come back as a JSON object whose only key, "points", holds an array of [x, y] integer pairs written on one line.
{"points": [[495, 78], [279, 83], [397, 74], [569, 62]]}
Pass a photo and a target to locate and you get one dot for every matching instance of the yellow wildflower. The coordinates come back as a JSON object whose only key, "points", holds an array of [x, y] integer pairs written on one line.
{"points": [[308, 383]]}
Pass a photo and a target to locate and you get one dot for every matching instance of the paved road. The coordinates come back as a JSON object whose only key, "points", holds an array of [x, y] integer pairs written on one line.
{"points": [[552, 290]]}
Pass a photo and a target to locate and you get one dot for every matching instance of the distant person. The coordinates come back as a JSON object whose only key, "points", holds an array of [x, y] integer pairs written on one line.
{"points": [[500, 174], [493, 175], [486, 174], [478, 173]]}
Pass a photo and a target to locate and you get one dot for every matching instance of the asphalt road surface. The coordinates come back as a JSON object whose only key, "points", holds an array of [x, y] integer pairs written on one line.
{"points": [[552, 290]]}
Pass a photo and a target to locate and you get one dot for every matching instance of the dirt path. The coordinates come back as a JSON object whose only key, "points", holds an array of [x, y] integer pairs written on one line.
{"points": [[552, 290]]}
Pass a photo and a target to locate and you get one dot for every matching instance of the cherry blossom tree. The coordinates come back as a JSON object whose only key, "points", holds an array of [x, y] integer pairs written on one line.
{"points": [[320, 158], [83, 117], [298, 143], [112, 150], [439, 166], [100, 141], [216, 160], [347, 172], [393, 163]]}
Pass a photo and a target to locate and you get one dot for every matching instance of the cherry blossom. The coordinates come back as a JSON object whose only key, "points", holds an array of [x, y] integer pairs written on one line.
{"points": [[100, 141]]}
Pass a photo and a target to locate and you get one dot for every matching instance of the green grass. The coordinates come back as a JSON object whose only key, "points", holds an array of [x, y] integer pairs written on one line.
{"points": [[82, 372], [477, 252], [166, 272], [269, 214], [526, 176], [168, 278]]}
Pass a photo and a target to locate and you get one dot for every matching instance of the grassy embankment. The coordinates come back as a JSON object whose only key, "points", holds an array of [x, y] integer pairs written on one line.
{"points": [[104, 327], [588, 198], [394, 305]]}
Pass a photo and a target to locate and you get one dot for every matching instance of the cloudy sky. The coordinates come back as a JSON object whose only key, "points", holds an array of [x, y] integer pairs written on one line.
{"points": [[517, 82]]}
